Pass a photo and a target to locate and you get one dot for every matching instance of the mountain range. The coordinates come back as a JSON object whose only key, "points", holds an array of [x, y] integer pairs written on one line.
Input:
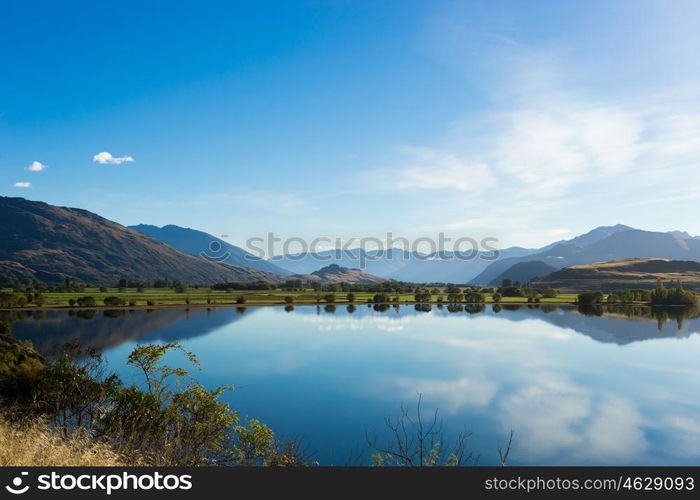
{"points": [[600, 245], [50, 243]]}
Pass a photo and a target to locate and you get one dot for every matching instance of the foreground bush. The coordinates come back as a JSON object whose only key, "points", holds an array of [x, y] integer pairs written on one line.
{"points": [[167, 419]]}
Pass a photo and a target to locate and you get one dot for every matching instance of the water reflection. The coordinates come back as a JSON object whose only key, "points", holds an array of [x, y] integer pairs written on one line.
{"points": [[106, 329], [609, 385], [620, 324]]}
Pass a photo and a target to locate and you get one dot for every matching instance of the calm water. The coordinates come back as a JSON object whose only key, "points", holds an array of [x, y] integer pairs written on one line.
{"points": [[577, 389]]}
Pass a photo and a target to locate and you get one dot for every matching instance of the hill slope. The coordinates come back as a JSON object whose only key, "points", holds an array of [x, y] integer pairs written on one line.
{"points": [[50, 243], [523, 272], [336, 274], [629, 273], [201, 244]]}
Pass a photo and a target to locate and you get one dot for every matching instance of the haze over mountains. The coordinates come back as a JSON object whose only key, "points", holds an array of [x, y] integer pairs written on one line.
{"points": [[395, 263], [399, 264]]}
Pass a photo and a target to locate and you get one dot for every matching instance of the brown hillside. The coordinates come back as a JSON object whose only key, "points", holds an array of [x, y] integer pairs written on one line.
{"points": [[51, 243], [628, 273]]}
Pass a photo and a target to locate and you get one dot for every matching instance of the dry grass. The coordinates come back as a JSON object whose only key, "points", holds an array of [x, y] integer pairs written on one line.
{"points": [[35, 444]]}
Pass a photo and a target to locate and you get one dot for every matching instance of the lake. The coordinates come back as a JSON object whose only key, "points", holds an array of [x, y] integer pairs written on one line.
{"points": [[605, 387]]}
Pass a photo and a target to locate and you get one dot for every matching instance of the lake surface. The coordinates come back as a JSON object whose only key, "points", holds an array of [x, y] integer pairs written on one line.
{"points": [[576, 388]]}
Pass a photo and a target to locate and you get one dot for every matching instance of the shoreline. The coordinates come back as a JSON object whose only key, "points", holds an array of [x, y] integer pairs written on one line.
{"points": [[283, 304]]}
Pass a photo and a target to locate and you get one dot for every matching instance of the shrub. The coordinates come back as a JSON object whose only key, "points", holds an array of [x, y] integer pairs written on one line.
{"points": [[12, 300], [589, 298], [474, 297], [510, 291], [113, 301], [86, 301], [676, 296], [422, 296]]}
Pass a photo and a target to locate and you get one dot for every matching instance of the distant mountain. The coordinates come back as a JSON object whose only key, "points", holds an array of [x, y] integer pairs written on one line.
{"points": [[683, 235], [625, 244], [592, 236], [50, 243], [449, 267], [399, 264], [376, 262], [628, 273], [337, 274], [523, 272], [205, 245]]}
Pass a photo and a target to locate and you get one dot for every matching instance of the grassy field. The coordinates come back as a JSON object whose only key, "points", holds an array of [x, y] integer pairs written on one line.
{"points": [[158, 297]]}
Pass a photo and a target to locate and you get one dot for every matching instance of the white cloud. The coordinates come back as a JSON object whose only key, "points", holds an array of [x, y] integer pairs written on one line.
{"points": [[549, 150], [433, 169], [104, 157], [23, 185], [36, 166], [537, 150]]}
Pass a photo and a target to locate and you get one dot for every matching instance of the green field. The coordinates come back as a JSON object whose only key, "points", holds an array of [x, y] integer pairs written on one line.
{"points": [[158, 297]]}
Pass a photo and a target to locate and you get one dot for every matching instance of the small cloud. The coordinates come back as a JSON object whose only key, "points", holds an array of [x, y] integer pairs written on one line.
{"points": [[104, 157], [37, 166], [23, 185]]}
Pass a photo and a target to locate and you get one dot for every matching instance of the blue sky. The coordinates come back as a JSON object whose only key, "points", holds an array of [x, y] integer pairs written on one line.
{"points": [[529, 121]]}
